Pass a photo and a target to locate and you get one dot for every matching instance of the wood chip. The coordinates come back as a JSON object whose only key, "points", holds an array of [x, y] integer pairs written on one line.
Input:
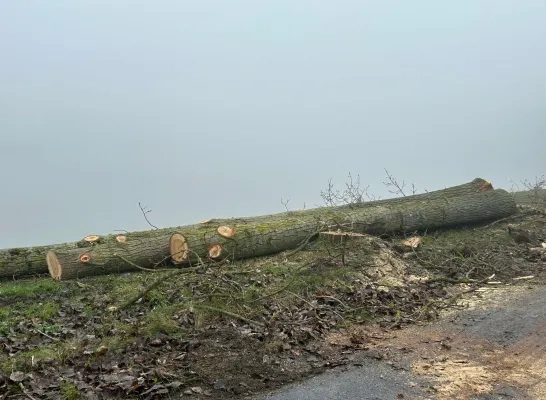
{"points": [[519, 278], [413, 242]]}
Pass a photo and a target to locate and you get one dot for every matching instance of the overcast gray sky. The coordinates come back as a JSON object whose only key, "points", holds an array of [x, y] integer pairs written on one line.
{"points": [[207, 108]]}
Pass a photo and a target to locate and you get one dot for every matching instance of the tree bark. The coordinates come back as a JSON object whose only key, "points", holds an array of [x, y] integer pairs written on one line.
{"points": [[238, 238], [31, 261], [27, 261]]}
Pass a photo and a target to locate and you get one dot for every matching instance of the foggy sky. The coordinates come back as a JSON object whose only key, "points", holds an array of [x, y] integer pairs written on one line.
{"points": [[203, 109]]}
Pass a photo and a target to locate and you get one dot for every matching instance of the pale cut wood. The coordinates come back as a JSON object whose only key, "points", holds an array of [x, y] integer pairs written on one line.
{"points": [[178, 248], [339, 237], [53, 265], [215, 251], [121, 238], [92, 238], [412, 242], [226, 231]]}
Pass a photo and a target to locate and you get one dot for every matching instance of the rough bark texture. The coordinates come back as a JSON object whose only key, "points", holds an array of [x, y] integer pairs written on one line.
{"points": [[276, 233], [259, 236], [28, 261]]}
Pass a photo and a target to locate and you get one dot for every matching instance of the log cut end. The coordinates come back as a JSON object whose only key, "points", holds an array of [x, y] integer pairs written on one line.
{"points": [[482, 185], [92, 239], [215, 251], [121, 238], [226, 231], [178, 248], [53, 265], [486, 186]]}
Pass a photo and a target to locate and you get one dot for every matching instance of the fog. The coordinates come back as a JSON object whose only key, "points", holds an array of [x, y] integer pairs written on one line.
{"points": [[201, 109]]}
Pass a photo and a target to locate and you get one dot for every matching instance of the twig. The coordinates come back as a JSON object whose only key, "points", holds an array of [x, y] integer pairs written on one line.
{"points": [[25, 391], [282, 289], [457, 296], [46, 335], [522, 214], [335, 299], [523, 277], [138, 266], [394, 182], [450, 280], [353, 194], [448, 302], [229, 313], [285, 203], [157, 282], [305, 242], [285, 287], [144, 212]]}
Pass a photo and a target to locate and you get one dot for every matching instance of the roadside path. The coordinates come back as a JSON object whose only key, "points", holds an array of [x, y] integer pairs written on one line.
{"points": [[494, 350]]}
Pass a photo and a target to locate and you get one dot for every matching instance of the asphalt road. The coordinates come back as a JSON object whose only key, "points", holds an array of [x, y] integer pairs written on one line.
{"points": [[496, 351]]}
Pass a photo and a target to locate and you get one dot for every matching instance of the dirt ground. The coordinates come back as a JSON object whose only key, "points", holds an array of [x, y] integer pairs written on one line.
{"points": [[240, 329]]}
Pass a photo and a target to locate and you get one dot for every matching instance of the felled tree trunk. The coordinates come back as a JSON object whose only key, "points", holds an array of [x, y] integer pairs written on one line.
{"points": [[28, 261], [31, 261], [238, 238], [148, 248]]}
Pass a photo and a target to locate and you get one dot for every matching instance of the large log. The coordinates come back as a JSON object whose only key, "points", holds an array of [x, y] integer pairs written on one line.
{"points": [[26, 261], [30, 261], [238, 238]]}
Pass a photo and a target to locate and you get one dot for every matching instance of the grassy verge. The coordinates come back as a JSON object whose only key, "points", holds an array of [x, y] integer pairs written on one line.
{"points": [[231, 329]]}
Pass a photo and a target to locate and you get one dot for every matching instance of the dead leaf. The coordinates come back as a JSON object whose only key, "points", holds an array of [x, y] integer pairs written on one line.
{"points": [[17, 376]]}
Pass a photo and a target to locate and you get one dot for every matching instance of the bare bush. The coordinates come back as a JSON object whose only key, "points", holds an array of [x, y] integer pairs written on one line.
{"points": [[353, 193], [535, 191], [395, 187]]}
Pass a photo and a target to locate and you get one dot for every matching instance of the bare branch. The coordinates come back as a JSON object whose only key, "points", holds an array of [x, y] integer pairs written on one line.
{"points": [[393, 183], [285, 203], [144, 212], [353, 193]]}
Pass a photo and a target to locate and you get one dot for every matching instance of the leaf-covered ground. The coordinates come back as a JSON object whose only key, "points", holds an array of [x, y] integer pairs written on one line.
{"points": [[232, 330]]}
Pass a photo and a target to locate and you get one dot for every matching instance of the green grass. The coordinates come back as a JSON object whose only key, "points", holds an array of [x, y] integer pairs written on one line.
{"points": [[69, 391], [42, 311], [25, 360], [29, 288], [160, 320]]}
